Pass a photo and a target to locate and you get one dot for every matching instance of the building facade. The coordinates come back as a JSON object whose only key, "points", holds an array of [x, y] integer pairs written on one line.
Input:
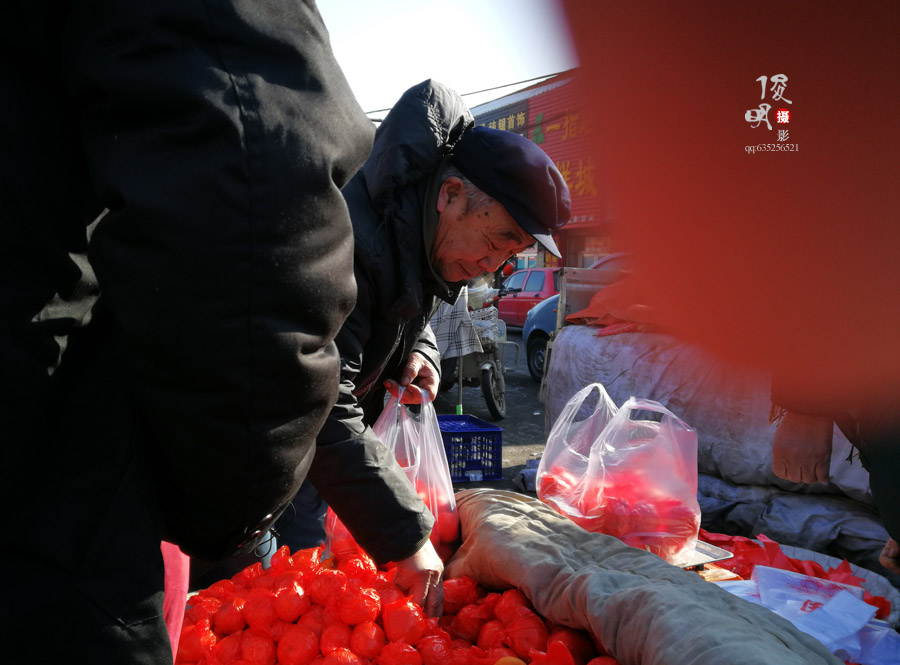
{"points": [[551, 114]]}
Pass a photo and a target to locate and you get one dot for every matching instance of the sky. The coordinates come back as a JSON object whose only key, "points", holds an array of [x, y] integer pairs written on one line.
{"points": [[469, 45]]}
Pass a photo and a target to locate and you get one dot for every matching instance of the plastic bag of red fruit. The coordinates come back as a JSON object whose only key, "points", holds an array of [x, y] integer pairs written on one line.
{"points": [[628, 472], [304, 610], [417, 444]]}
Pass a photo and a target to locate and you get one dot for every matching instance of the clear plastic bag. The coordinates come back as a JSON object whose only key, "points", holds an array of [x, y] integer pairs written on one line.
{"points": [[415, 439], [566, 461], [628, 472]]}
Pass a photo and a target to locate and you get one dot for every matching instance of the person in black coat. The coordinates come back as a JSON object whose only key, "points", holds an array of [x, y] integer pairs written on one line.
{"points": [[802, 446], [177, 260], [437, 203]]}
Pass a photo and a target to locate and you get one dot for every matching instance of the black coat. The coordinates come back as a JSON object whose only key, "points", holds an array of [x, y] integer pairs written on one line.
{"points": [[167, 377], [391, 204], [871, 423]]}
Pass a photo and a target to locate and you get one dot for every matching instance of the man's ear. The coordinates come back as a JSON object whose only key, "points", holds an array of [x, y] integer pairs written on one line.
{"points": [[451, 188]]}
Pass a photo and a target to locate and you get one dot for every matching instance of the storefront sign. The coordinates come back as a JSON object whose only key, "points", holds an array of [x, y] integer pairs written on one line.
{"points": [[512, 118]]}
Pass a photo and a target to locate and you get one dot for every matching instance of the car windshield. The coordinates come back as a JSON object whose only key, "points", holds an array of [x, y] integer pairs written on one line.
{"points": [[515, 280], [535, 281]]}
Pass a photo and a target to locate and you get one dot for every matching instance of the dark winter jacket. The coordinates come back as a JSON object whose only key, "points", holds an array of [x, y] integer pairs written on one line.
{"points": [[183, 355], [871, 423], [392, 207]]}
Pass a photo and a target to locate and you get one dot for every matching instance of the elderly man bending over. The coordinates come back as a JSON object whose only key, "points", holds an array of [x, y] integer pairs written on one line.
{"points": [[437, 203]]}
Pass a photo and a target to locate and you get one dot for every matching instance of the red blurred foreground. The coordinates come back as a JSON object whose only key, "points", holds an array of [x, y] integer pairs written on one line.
{"points": [[781, 259]]}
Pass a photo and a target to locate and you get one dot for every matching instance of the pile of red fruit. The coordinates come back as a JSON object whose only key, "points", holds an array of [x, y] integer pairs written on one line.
{"points": [[345, 611], [630, 506]]}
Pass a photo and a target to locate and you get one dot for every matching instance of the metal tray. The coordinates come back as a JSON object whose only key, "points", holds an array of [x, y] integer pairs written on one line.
{"points": [[704, 553]]}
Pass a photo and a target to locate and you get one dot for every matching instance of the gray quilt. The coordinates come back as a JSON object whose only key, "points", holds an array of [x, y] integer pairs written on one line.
{"points": [[643, 610]]}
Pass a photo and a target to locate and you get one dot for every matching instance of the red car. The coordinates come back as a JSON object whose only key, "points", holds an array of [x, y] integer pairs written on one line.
{"points": [[523, 290]]}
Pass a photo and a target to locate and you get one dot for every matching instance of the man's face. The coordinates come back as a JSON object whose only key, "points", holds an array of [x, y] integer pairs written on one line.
{"points": [[470, 243]]}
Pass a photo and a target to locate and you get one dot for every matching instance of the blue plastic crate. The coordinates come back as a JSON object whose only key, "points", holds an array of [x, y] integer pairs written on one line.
{"points": [[473, 447]]}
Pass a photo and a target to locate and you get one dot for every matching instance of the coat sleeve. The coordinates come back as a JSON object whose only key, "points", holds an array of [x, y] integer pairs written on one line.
{"points": [[353, 470], [219, 136], [427, 346]]}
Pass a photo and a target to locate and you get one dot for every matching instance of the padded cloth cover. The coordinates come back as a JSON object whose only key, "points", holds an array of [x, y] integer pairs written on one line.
{"points": [[643, 610]]}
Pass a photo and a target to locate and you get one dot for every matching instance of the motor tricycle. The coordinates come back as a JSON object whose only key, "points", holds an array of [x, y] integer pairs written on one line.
{"points": [[472, 341]]}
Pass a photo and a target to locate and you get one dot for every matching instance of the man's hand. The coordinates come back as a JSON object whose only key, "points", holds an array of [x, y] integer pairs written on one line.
{"points": [[420, 576], [801, 448], [890, 556], [418, 373]]}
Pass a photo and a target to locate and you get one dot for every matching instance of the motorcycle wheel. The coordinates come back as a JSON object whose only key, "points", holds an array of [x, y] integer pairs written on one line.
{"points": [[536, 357], [494, 389]]}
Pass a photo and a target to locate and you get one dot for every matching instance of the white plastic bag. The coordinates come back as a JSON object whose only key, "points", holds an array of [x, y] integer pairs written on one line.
{"points": [[833, 613], [629, 473], [566, 460], [415, 440]]}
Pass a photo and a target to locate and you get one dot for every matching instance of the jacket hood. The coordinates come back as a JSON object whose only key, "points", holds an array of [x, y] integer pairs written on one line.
{"points": [[420, 130]]}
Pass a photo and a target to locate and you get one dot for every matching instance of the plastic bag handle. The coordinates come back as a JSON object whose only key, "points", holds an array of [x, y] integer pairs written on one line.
{"points": [[642, 404], [564, 420], [389, 423], [687, 455], [633, 404], [425, 396]]}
